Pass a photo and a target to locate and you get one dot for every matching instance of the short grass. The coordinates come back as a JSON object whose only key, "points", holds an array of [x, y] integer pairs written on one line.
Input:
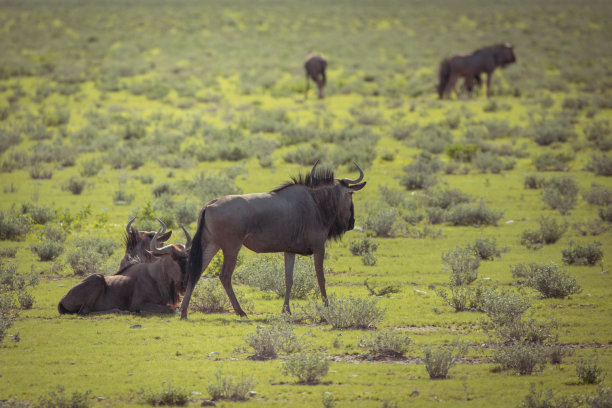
{"points": [[199, 76]]}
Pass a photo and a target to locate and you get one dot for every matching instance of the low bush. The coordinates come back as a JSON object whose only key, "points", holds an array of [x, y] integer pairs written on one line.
{"points": [[552, 161], [50, 244], [210, 297], [362, 246], [544, 399], [350, 312], [561, 193], [13, 226], [446, 198], [551, 281], [534, 181], [121, 197], [380, 219], [486, 248], [268, 274], [589, 371], [552, 131], [522, 357], [59, 399], [75, 185], [550, 232], [276, 337], [487, 162], [8, 252], [420, 172], [598, 195], [468, 214], [381, 291], [433, 139], [308, 368], [592, 227], [438, 361], [169, 395], [600, 165], [89, 253], [435, 215], [230, 388], [387, 343], [40, 214], [210, 186], [605, 213], [463, 263], [602, 398], [39, 171], [463, 153], [462, 298], [91, 167], [582, 255], [599, 134]]}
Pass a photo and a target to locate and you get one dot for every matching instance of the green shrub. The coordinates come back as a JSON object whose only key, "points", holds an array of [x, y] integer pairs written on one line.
{"points": [[169, 395], [462, 298], [8, 252], [435, 215], [582, 255], [561, 193], [75, 185], [267, 273], [13, 226], [230, 388], [446, 198], [40, 214], [544, 399], [210, 297], [552, 131], [438, 361], [383, 291], [551, 282], [380, 219], [521, 357], [463, 263], [40, 172], [605, 213], [91, 167], [534, 181], [350, 312], [599, 134], [598, 195], [362, 246], [308, 368], [88, 254], [56, 117], [488, 162], [433, 139], [592, 227], [550, 232], [552, 161], [589, 372], [209, 187], [121, 197], [468, 214], [51, 243], [59, 399], [463, 153], [600, 165], [420, 172], [486, 248], [391, 196], [269, 340], [386, 344], [404, 131], [602, 399]]}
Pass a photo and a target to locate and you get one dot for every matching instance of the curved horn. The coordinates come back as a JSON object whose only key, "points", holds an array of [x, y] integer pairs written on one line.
{"points": [[129, 224], [312, 172], [162, 224], [159, 251], [188, 239], [348, 181]]}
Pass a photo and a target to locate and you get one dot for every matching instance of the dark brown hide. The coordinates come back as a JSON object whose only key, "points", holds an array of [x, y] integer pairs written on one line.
{"points": [[315, 65], [138, 242], [296, 218], [143, 287], [484, 60]]}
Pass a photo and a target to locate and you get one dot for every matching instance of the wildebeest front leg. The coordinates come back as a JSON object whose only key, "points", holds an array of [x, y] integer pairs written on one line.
{"points": [[307, 86], [318, 264], [289, 263], [209, 252], [229, 263], [489, 75]]}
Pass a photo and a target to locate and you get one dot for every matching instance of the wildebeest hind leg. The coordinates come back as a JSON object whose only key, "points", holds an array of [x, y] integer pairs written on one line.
{"points": [[289, 263], [318, 264], [209, 252], [230, 255]]}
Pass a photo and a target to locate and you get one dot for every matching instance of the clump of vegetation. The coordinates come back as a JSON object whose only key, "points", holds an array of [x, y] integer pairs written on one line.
{"points": [[40, 214], [582, 255], [386, 344], [534, 181], [350, 312], [277, 336], [13, 226], [230, 388], [446, 198], [380, 219], [463, 153], [421, 172], [364, 248], [14, 295], [40, 172], [88, 254], [552, 131], [438, 361], [600, 165], [598, 195], [486, 248], [550, 232], [211, 186], [268, 274], [605, 213], [383, 291], [488, 162], [464, 297], [75, 185], [59, 399], [589, 371], [561, 193], [522, 357], [50, 244], [599, 134], [549, 280], [210, 297], [549, 161], [463, 263], [309, 368], [468, 214], [121, 197], [170, 395]]}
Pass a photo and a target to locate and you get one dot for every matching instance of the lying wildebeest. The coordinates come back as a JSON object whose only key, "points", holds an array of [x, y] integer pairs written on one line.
{"points": [[315, 65], [137, 243], [484, 60], [153, 287], [295, 218]]}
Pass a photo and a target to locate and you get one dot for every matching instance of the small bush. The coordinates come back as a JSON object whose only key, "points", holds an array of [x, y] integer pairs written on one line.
{"points": [[75, 185], [602, 399], [435, 215], [592, 227], [92, 167], [380, 219], [600, 165], [438, 361], [446, 198], [51, 243], [486, 248], [8, 252], [350, 312], [551, 282], [170, 395], [40, 172], [88, 254], [605, 213], [468, 214], [598, 195], [308, 368], [552, 161], [551, 131], [463, 153], [462, 298], [420, 173], [550, 232], [561, 193], [386, 344], [269, 340], [209, 187], [121, 197], [59, 399], [13, 226], [589, 372], [210, 297], [534, 181], [362, 246], [463, 263], [487, 162], [599, 134], [544, 399], [383, 291], [230, 388], [40, 214], [521, 357], [582, 255]]}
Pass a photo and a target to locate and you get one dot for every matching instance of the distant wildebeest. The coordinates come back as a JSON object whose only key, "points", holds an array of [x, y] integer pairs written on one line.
{"points": [[484, 60], [295, 218], [153, 287], [315, 65]]}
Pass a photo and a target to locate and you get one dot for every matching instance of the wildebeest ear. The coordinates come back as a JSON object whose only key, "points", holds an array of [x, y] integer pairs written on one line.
{"points": [[357, 187], [164, 237]]}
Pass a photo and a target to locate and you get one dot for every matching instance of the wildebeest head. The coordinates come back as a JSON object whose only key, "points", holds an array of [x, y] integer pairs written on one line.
{"points": [[505, 55], [179, 253], [137, 243]]}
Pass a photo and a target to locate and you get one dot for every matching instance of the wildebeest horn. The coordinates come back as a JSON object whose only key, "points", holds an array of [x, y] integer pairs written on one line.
{"points": [[348, 181], [188, 241], [312, 172], [129, 224], [162, 224], [152, 246]]}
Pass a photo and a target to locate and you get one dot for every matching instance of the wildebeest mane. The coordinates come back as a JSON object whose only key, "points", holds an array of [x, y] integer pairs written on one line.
{"points": [[323, 177]]}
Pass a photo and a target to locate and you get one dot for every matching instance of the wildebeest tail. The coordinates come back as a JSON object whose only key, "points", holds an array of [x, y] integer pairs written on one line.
{"points": [[444, 75], [194, 262]]}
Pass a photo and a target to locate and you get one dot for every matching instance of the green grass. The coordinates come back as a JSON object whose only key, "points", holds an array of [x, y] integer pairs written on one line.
{"points": [[197, 75]]}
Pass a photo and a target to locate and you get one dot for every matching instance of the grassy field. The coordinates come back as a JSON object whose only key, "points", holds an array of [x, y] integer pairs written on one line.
{"points": [[153, 108]]}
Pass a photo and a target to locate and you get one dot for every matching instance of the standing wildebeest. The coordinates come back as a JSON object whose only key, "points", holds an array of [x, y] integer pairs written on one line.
{"points": [[315, 65], [471, 66], [296, 218], [153, 287]]}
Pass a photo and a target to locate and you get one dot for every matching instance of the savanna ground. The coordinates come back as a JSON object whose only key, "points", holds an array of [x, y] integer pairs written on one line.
{"points": [[154, 108]]}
